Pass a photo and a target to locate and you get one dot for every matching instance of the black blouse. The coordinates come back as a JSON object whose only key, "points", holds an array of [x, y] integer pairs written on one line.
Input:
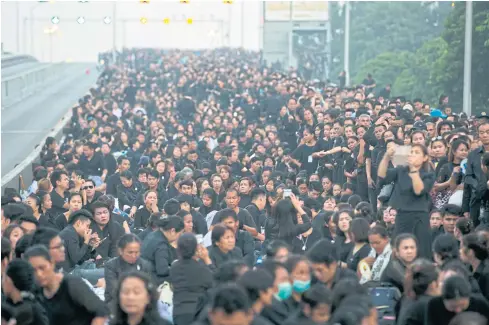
{"points": [[403, 197], [74, 303]]}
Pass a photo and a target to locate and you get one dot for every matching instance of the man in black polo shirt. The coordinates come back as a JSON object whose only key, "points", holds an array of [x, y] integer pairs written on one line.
{"points": [[92, 164]]}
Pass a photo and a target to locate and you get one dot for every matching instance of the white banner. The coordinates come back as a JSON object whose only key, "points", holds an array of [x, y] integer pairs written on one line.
{"points": [[309, 10]]}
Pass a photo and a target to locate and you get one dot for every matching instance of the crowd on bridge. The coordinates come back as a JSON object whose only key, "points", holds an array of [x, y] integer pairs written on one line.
{"points": [[206, 188]]}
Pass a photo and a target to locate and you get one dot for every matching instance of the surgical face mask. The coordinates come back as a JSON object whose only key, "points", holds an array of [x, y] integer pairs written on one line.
{"points": [[284, 291], [301, 286]]}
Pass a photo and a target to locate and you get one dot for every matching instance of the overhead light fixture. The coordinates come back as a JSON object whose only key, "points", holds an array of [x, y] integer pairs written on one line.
{"points": [[190, 21], [166, 20], [55, 20], [143, 20], [81, 20], [107, 20]]}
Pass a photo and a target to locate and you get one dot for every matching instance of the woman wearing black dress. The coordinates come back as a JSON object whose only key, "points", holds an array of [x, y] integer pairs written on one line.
{"points": [[410, 196]]}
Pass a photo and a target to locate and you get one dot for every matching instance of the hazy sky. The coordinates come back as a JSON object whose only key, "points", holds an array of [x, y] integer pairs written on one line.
{"points": [[82, 42]]}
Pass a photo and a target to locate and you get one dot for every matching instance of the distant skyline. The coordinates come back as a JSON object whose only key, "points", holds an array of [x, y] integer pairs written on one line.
{"points": [[82, 42]]}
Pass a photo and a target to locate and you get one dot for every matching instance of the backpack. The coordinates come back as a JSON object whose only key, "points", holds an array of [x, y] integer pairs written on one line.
{"points": [[385, 298]]}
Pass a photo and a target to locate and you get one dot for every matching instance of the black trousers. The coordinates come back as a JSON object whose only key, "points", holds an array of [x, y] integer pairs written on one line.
{"points": [[185, 319]]}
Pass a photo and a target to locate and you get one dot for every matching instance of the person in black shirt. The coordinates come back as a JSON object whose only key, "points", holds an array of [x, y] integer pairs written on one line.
{"points": [[109, 160], [77, 239], [123, 164], [136, 302], [410, 196], [59, 195], [258, 284], [92, 163], [190, 279], [158, 247], [66, 298], [128, 260], [244, 241], [455, 298], [89, 194], [108, 231], [143, 213], [17, 285], [473, 251]]}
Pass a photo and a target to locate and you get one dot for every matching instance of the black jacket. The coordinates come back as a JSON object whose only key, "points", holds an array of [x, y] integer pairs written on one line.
{"points": [[110, 235], [76, 250], [190, 281], [279, 311], [218, 257], [245, 242], [158, 251], [127, 195], [117, 266]]}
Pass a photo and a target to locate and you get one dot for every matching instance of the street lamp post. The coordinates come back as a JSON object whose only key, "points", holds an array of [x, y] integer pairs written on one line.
{"points": [[468, 59]]}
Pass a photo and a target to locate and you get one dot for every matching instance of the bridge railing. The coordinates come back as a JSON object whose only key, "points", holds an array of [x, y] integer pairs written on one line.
{"points": [[24, 84]]}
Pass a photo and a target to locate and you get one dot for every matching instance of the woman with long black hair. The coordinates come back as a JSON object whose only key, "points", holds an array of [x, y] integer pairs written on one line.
{"points": [[286, 224], [136, 301], [411, 194], [66, 298]]}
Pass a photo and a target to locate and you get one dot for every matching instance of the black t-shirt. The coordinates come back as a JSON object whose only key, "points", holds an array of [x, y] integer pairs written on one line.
{"points": [[94, 166], [303, 154], [74, 303], [58, 202]]}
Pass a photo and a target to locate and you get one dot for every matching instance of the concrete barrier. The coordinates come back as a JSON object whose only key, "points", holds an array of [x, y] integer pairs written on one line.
{"points": [[25, 168]]}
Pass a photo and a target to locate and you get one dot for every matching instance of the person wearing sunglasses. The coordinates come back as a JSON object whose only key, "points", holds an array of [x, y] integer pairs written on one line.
{"points": [[89, 194]]}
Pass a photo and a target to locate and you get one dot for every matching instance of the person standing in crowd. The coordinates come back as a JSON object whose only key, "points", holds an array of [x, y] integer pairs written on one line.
{"points": [[410, 196]]}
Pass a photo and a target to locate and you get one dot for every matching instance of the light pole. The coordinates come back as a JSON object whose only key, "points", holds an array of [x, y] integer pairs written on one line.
{"points": [[468, 60], [50, 32], [347, 44], [31, 20]]}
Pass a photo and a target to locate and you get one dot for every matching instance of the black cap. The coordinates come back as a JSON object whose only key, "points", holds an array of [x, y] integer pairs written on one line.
{"points": [[419, 125]]}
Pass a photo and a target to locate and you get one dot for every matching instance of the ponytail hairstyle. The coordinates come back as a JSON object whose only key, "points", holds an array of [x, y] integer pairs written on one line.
{"points": [[445, 247], [476, 243], [171, 222], [419, 276]]}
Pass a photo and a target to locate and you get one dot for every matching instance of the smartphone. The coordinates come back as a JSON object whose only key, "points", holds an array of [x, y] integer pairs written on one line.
{"points": [[400, 158], [200, 239], [287, 192]]}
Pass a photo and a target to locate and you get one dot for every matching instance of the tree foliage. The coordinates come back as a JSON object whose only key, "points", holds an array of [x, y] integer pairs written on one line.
{"points": [[418, 47]]}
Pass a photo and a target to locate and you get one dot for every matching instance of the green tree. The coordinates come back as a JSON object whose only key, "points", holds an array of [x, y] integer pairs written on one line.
{"points": [[450, 74]]}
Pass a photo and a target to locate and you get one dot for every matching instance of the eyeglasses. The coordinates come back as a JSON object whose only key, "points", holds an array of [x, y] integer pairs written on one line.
{"points": [[437, 138], [88, 187]]}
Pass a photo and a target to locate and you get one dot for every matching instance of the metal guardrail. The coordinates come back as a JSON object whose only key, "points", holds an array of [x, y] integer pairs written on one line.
{"points": [[20, 86], [10, 60]]}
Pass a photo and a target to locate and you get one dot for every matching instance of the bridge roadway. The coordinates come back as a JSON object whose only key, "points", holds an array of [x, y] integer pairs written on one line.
{"points": [[25, 124]]}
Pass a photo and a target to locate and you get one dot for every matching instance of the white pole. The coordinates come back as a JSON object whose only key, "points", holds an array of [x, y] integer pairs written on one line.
{"points": [[468, 59], [242, 24]]}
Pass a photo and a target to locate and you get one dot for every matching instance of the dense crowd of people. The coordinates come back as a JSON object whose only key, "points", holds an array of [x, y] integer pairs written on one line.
{"points": [[206, 188]]}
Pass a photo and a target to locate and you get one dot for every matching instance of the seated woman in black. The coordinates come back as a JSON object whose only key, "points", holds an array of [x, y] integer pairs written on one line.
{"points": [[190, 279], [223, 246], [67, 299], [404, 252], [421, 284], [136, 301], [474, 252], [343, 242], [455, 298], [129, 247], [159, 247], [361, 249]]}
